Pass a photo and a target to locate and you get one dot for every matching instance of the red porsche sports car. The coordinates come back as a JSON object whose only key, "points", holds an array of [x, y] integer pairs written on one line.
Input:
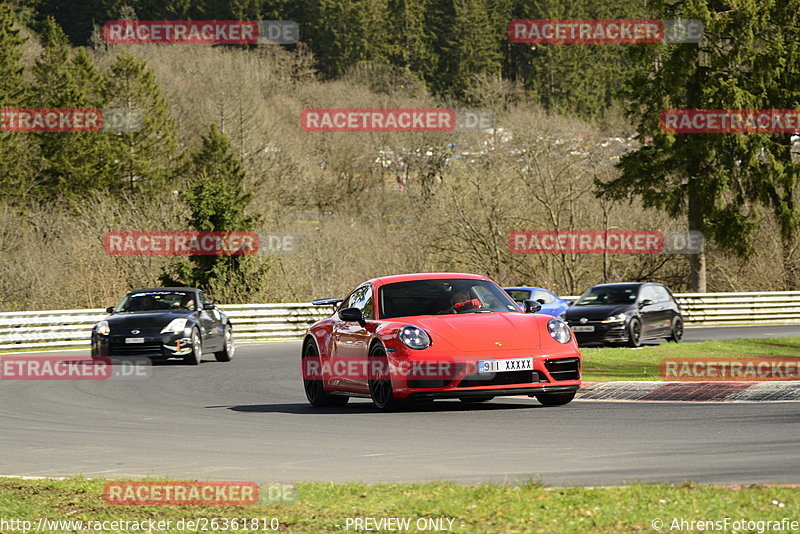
{"points": [[419, 337]]}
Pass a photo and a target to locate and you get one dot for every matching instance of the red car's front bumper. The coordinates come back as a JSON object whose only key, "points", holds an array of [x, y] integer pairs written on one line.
{"points": [[455, 377]]}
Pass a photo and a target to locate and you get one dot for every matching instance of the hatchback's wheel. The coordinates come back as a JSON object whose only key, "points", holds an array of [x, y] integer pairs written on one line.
{"points": [[634, 333], [194, 357], [312, 381], [380, 381], [555, 399], [470, 400], [676, 331], [228, 349]]}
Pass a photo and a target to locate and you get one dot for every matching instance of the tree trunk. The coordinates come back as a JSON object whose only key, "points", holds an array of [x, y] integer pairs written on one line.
{"points": [[697, 262]]}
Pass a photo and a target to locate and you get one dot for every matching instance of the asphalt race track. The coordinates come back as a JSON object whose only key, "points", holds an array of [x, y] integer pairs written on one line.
{"points": [[706, 333], [248, 420]]}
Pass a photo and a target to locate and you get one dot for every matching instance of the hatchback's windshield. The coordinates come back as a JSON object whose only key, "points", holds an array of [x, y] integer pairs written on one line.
{"points": [[599, 296], [443, 296], [156, 301], [519, 294]]}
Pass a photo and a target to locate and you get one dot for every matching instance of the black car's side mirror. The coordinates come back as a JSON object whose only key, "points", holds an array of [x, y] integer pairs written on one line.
{"points": [[110, 309], [352, 315], [645, 302], [209, 305], [532, 306]]}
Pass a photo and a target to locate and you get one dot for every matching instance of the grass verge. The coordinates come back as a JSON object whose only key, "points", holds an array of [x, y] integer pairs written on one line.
{"points": [[488, 508], [607, 364]]}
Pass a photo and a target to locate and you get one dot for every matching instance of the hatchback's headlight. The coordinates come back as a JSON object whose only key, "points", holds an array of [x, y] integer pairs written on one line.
{"points": [[102, 328], [176, 326], [414, 337], [559, 330], [618, 318]]}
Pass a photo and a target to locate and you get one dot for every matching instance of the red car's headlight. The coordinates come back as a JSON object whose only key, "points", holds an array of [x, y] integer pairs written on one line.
{"points": [[559, 330], [414, 337]]}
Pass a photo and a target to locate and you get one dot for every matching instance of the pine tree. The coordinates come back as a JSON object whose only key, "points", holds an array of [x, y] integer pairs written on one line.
{"points": [[581, 79], [408, 38], [717, 180], [342, 33], [147, 159], [77, 162], [19, 153], [217, 202], [471, 47]]}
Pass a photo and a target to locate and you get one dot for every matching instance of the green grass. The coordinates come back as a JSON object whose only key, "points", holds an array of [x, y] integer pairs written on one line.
{"points": [[486, 508], [607, 364]]}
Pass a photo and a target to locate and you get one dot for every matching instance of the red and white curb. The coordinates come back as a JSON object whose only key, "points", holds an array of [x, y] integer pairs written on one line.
{"points": [[691, 391]]}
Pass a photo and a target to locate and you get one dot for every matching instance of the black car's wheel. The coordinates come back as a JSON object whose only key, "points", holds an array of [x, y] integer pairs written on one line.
{"points": [[380, 381], [471, 400], [676, 330], [634, 333], [194, 357], [555, 399], [228, 348], [312, 381]]}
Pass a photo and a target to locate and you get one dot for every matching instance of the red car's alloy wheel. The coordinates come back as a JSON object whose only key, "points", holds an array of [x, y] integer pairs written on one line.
{"points": [[380, 383], [312, 380]]}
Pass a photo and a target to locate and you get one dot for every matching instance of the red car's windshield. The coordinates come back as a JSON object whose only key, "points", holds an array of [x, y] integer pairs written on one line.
{"points": [[443, 296]]}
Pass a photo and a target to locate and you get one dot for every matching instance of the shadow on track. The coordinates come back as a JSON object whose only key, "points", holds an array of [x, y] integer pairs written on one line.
{"points": [[367, 407]]}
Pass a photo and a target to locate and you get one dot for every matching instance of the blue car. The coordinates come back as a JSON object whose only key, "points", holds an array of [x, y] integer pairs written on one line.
{"points": [[551, 303]]}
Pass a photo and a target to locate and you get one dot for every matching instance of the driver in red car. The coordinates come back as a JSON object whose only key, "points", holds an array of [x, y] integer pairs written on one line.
{"points": [[461, 301]]}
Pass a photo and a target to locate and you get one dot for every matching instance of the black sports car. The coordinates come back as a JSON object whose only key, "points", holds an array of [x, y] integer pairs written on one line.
{"points": [[164, 322], [625, 313]]}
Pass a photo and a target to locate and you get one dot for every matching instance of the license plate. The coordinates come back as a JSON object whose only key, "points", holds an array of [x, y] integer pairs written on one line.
{"points": [[589, 328], [134, 340], [502, 366]]}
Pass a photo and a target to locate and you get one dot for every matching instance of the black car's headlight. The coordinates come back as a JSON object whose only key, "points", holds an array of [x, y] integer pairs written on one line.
{"points": [[102, 328], [618, 318], [176, 326], [414, 337], [559, 330]]}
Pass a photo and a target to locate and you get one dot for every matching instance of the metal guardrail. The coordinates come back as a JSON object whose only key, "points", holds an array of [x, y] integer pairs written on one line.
{"points": [[61, 328], [258, 322], [713, 309]]}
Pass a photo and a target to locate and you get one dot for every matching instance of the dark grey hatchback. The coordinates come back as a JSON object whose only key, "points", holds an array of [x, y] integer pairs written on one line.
{"points": [[628, 313]]}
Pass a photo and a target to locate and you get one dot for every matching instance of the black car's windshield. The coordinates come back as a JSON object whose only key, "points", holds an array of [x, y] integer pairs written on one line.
{"points": [[157, 301], [605, 295], [443, 296]]}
